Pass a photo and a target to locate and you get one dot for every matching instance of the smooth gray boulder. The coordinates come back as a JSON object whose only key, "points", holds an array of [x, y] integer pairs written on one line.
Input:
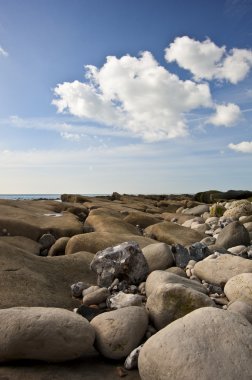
{"points": [[197, 210], [48, 334], [218, 270], [160, 277], [169, 302], [232, 235], [118, 332], [124, 261], [209, 343], [158, 256]]}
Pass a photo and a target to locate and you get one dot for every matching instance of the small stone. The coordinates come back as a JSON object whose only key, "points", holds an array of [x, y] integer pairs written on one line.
{"points": [[121, 372], [131, 361], [122, 300], [90, 289], [47, 240], [77, 289], [96, 297]]}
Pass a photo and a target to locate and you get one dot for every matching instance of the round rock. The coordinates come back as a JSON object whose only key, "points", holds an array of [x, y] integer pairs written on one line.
{"points": [[158, 256], [239, 286], [118, 332], [48, 334], [208, 343]]}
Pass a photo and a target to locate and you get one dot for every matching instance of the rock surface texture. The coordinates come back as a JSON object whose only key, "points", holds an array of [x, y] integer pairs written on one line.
{"points": [[216, 343], [120, 331], [49, 334], [125, 261]]}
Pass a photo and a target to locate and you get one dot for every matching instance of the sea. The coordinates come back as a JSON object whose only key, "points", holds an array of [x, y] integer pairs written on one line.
{"points": [[40, 196]]}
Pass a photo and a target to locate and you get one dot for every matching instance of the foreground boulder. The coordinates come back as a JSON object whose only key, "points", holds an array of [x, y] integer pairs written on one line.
{"points": [[125, 262], [119, 332], [218, 270], [172, 301], [208, 343], [48, 334]]}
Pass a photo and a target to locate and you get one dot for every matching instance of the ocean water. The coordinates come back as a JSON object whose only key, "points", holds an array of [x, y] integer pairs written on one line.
{"points": [[39, 196]]}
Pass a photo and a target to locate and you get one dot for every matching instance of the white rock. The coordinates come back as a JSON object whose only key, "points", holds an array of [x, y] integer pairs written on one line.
{"points": [[122, 299]]}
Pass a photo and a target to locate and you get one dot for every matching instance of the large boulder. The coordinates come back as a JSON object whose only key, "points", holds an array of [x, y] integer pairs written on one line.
{"points": [[160, 277], [118, 332], [171, 233], [124, 261], [97, 241], [208, 343], [239, 286], [111, 224], [25, 244], [48, 334], [169, 302], [218, 270], [30, 280], [158, 256], [232, 235]]}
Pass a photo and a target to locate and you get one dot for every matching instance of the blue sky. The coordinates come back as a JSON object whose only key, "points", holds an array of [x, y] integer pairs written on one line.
{"points": [[136, 96]]}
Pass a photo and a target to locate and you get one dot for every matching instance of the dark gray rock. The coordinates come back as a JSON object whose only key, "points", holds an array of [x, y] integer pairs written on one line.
{"points": [[124, 261], [232, 235], [181, 255], [47, 240], [199, 251]]}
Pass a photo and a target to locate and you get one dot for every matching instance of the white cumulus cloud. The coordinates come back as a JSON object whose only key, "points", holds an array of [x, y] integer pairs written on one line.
{"points": [[3, 52], [226, 115], [135, 94], [243, 147], [206, 60]]}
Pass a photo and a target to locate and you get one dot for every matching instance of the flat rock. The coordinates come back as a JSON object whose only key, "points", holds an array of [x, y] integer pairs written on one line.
{"points": [[159, 277], [158, 256], [29, 280], [118, 332], [97, 241], [232, 235], [208, 343], [169, 302], [239, 286], [25, 244], [141, 219], [32, 219], [47, 334], [220, 269], [171, 233], [111, 224]]}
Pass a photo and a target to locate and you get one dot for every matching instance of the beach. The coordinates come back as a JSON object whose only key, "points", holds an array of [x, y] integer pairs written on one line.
{"points": [[110, 286]]}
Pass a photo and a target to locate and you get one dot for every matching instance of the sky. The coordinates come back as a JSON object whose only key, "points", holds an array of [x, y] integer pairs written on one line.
{"points": [[133, 96]]}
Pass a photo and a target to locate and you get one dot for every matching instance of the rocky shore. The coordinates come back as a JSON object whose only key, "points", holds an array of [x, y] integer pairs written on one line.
{"points": [[141, 287]]}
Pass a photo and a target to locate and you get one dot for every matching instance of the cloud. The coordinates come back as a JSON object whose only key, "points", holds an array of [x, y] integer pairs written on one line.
{"points": [[134, 94], [243, 147], [70, 136], [3, 52], [226, 115], [206, 60]]}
